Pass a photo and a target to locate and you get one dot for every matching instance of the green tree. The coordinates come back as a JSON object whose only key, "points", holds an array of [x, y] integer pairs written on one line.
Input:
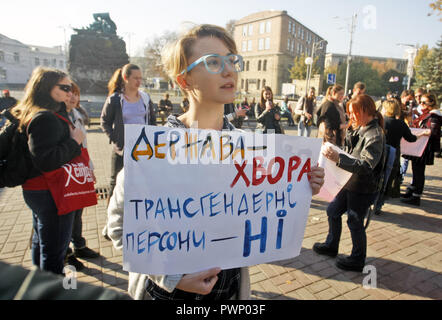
{"points": [[429, 71], [230, 27], [299, 69], [361, 71]]}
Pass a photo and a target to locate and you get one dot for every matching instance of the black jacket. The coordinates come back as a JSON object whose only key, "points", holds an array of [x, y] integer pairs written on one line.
{"points": [[330, 113], [266, 119], [367, 146], [50, 143], [112, 119]]}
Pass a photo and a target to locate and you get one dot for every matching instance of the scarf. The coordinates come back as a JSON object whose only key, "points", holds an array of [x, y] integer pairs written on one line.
{"points": [[416, 122]]}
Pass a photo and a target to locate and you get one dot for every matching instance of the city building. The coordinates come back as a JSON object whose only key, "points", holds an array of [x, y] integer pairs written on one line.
{"points": [[18, 60], [269, 41], [336, 59]]}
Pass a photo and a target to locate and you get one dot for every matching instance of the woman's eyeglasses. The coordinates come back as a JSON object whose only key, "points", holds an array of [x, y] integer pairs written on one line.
{"points": [[427, 103], [215, 63], [65, 87]]}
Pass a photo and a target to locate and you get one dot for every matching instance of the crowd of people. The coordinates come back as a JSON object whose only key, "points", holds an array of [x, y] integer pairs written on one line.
{"points": [[204, 63]]}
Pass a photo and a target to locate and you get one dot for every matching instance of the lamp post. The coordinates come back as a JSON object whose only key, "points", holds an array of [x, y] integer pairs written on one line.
{"points": [[347, 73], [308, 62], [315, 44], [411, 55]]}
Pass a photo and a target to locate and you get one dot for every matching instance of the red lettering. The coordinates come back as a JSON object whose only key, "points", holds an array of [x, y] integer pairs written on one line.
{"points": [[305, 169], [240, 173], [294, 163], [280, 161], [258, 168]]}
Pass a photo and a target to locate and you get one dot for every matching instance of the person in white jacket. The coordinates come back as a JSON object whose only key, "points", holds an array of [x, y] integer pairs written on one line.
{"points": [[205, 65]]}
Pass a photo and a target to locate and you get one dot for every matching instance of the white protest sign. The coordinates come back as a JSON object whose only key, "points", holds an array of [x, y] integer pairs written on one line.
{"points": [[414, 148], [335, 177], [197, 199]]}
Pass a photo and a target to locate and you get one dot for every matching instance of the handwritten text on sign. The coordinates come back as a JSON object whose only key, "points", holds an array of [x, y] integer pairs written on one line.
{"points": [[196, 199]]}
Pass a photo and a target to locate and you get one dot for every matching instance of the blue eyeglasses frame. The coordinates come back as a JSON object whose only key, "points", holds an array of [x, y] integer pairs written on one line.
{"points": [[224, 59]]}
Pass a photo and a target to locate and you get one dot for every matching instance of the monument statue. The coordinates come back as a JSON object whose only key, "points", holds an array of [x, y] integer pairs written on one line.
{"points": [[95, 52], [102, 24]]}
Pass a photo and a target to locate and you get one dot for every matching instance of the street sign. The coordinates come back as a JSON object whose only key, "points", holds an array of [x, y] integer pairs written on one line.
{"points": [[331, 78], [405, 81]]}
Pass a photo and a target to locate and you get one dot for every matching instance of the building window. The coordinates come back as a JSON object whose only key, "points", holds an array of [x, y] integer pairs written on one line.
{"points": [[3, 75], [247, 65], [244, 46], [294, 29], [61, 63], [16, 57], [267, 43], [264, 66], [46, 62], [249, 45], [293, 46], [2, 56], [263, 83], [268, 26], [262, 27], [37, 61], [288, 44], [54, 62], [261, 44], [259, 65], [258, 84], [244, 31], [242, 83], [299, 32], [290, 27], [250, 29]]}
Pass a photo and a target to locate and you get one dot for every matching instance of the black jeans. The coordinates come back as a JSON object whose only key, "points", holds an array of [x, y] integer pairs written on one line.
{"points": [[77, 235], [116, 166], [418, 182], [356, 205]]}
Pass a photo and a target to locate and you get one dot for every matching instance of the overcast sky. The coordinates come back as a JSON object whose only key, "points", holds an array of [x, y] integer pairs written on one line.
{"points": [[381, 25]]}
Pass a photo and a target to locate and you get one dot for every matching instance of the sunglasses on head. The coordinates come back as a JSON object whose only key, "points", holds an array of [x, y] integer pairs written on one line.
{"points": [[65, 87]]}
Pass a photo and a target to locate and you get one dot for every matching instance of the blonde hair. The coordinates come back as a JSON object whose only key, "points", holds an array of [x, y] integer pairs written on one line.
{"points": [[391, 108], [175, 57], [37, 95]]}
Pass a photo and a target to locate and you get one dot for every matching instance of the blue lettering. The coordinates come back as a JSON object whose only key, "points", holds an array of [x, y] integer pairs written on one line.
{"points": [[243, 200], [136, 207], [181, 241], [150, 243], [148, 204], [201, 202], [248, 238], [140, 242], [171, 246], [279, 234], [228, 205], [202, 240], [130, 235], [157, 210], [172, 210], [289, 188], [162, 248], [256, 195], [269, 198], [213, 205], [277, 200], [186, 212]]}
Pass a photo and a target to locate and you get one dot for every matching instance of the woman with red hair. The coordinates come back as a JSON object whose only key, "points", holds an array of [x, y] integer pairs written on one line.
{"points": [[366, 144]]}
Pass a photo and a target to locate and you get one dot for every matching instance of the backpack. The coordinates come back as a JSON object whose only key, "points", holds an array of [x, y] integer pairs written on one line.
{"points": [[15, 159]]}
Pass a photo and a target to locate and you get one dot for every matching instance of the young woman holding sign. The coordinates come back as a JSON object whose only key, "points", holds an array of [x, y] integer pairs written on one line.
{"points": [[205, 64]]}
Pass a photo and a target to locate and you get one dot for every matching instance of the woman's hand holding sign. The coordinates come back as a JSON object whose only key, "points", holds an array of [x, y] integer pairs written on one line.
{"points": [[316, 176], [199, 282]]}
